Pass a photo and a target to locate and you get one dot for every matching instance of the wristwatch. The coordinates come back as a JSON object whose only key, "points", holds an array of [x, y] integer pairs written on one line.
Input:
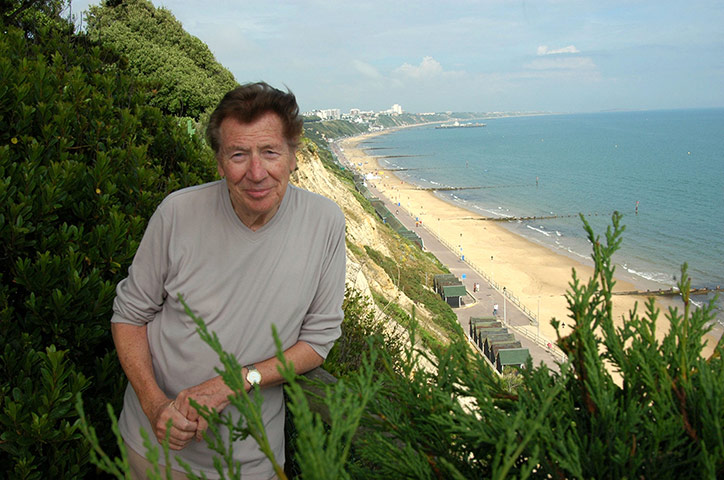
{"points": [[252, 375]]}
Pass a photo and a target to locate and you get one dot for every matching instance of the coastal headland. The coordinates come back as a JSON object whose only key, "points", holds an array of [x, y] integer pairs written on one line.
{"points": [[536, 275]]}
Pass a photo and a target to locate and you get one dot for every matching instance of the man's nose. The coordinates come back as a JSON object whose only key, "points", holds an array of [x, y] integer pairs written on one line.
{"points": [[257, 168]]}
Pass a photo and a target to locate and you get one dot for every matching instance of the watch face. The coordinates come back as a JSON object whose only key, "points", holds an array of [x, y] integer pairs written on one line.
{"points": [[253, 377]]}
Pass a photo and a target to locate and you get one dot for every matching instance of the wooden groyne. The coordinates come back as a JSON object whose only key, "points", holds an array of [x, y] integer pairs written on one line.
{"points": [[532, 217], [671, 292], [476, 187], [406, 169], [398, 156]]}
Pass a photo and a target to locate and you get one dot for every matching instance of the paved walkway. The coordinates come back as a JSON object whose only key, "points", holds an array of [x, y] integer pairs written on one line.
{"points": [[481, 303]]}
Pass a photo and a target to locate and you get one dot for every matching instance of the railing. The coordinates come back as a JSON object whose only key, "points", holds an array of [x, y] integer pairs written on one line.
{"points": [[541, 342], [537, 339]]}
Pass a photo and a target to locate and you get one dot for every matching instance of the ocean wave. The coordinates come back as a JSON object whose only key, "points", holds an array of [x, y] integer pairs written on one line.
{"points": [[500, 214], [539, 230], [577, 254], [658, 277]]}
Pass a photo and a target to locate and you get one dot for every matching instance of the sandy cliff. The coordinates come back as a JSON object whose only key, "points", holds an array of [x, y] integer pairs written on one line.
{"points": [[362, 229]]}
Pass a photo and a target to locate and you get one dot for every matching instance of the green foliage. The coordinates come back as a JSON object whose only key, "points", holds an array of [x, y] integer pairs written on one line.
{"points": [[663, 421], [323, 447], [448, 415], [185, 77], [362, 334], [38, 420], [320, 132], [412, 271], [328, 160], [84, 161], [32, 15]]}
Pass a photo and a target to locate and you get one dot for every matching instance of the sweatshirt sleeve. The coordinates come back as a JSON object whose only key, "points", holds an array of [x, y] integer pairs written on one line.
{"points": [[322, 323], [141, 295]]}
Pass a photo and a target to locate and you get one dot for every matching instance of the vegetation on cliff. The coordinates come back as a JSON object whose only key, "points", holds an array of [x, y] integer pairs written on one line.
{"points": [[84, 161], [460, 421], [184, 77]]}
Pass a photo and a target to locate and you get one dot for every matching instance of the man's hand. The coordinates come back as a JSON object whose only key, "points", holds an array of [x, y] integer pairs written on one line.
{"points": [[213, 393], [182, 429]]}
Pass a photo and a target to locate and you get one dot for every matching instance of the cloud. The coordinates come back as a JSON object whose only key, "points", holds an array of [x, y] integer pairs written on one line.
{"points": [[543, 50], [366, 69], [428, 68]]}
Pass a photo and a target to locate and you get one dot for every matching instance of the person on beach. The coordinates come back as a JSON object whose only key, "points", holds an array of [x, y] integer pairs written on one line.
{"points": [[495, 309], [246, 252]]}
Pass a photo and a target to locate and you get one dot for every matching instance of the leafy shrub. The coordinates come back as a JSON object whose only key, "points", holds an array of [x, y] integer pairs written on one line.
{"points": [[361, 334], [185, 77], [458, 420], [662, 421], [83, 161]]}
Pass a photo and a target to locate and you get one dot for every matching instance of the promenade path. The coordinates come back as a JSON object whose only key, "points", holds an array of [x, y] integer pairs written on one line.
{"points": [[480, 303]]}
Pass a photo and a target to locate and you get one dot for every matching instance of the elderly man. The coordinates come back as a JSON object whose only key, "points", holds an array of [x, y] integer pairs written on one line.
{"points": [[246, 252]]}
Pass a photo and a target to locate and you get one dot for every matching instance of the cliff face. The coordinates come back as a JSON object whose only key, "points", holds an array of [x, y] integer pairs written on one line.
{"points": [[362, 229]]}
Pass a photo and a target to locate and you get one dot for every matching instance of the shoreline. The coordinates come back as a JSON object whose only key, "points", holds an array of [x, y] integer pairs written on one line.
{"points": [[534, 273]]}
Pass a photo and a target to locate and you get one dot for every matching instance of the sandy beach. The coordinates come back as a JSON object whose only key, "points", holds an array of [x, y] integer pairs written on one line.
{"points": [[538, 276]]}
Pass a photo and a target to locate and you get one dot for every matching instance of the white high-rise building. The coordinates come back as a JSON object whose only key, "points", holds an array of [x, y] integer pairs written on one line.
{"points": [[329, 114]]}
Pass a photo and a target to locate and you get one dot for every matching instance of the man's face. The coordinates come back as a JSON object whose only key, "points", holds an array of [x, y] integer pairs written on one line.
{"points": [[256, 160]]}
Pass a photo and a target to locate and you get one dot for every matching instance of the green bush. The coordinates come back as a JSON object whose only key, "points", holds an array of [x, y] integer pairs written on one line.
{"points": [[459, 420], [185, 77], [663, 420], [361, 334], [84, 161]]}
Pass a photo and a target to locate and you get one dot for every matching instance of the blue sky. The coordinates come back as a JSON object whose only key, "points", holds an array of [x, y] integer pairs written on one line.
{"points": [[497, 55]]}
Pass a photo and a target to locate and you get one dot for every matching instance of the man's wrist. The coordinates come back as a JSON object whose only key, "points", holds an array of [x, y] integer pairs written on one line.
{"points": [[252, 375]]}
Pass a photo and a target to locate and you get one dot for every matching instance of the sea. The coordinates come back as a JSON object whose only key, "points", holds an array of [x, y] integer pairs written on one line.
{"points": [[663, 170]]}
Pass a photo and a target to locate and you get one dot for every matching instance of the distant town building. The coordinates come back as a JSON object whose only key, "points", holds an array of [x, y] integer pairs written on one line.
{"points": [[395, 109], [355, 114], [328, 114]]}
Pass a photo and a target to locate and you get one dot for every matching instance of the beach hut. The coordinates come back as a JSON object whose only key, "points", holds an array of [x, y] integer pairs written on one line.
{"points": [[413, 237], [515, 357], [444, 279], [475, 329], [475, 322], [380, 208], [482, 333], [498, 346], [493, 340], [361, 187], [452, 294]]}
